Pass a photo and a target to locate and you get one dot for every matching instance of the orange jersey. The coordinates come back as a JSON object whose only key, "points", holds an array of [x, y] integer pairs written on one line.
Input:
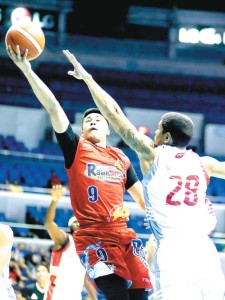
{"points": [[97, 184]]}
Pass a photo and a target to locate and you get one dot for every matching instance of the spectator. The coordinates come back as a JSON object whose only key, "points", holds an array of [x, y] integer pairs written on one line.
{"points": [[32, 259], [53, 180], [26, 275], [37, 289], [19, 251], [6, 186], [16, 187]]}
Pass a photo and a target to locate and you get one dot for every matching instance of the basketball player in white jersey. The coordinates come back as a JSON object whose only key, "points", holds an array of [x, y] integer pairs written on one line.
{"points": [[67, 274], [187, 265], [6, 242]]}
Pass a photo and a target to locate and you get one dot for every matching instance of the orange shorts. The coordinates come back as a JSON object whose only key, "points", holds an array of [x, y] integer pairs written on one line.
{"points": [[116, 246]]}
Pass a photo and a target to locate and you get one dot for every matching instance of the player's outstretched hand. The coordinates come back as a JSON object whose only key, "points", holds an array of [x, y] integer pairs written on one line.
{"points": [[18, 59], [79, 72], [57, 192]]}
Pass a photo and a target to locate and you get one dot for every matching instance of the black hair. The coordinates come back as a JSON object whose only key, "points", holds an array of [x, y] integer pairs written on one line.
{"points": [[93, 110], [42, 264], [180, 127]]}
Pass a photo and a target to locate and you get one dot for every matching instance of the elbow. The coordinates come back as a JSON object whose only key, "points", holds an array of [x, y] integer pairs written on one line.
{"points": [[53, 107], [47, 223]]}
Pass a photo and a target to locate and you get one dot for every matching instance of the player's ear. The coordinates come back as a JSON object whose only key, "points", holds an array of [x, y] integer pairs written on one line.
{"points": [[168, 138]]}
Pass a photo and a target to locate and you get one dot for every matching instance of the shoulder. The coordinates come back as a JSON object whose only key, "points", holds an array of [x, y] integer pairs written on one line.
{"points": [[118, 151], [30, 287], [160, 150]]}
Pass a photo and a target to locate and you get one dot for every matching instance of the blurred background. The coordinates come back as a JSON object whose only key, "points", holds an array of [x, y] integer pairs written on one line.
{"points": [[151, 56]]}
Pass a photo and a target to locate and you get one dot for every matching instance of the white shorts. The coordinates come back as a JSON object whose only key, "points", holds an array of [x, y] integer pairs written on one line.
{"points": [[190, 269]]}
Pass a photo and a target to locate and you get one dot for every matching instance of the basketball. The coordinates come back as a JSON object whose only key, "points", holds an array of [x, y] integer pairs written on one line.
{"points": [[29, 36]]}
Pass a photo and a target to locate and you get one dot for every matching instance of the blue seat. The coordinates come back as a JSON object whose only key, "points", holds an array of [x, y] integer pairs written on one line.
{"points": [[2, 217], [22, 232]]}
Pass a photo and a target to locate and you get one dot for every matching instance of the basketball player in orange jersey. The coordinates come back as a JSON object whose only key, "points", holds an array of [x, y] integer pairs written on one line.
{"points": [[98, 175], [67, 274], [187, 264]]}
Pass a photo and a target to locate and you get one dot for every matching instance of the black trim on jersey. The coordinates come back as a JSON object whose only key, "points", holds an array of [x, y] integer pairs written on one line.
{"points": [[64, 244], [132, 177], [68, 142]]}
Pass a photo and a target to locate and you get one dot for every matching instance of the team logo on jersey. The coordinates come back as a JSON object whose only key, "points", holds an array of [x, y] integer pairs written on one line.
{"points": [[119, 211], [180, 155], [104, 172], [119, 165]]}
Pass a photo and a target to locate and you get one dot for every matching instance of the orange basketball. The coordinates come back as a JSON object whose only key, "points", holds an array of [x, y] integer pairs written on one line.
{"points": [[29, 36]]}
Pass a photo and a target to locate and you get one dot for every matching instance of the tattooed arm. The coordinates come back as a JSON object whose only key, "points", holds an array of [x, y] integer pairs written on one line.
{"points": [[140, 143]]}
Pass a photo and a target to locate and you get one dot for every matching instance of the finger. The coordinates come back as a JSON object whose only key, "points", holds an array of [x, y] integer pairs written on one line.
{"points": [[9, 50], [18, 51], [70, 73], [25, 54], [67, 54]]}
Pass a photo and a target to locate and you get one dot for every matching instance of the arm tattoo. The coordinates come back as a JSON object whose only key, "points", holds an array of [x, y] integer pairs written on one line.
{"points": [[133, 140]]}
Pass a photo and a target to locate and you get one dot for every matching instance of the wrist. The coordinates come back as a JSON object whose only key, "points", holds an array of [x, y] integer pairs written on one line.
{"points": [[27, 71], [54, 200], [87, 77]]}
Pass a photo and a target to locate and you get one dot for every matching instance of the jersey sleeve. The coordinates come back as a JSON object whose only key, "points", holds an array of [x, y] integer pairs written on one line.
{"points": [[132, 177], [68, 142]]}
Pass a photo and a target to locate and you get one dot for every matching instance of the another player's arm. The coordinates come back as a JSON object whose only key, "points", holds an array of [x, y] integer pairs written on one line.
{"points": [[136, 192], [58, 117], [57, 235], [214, 167], [134, 187], [140, 143]]}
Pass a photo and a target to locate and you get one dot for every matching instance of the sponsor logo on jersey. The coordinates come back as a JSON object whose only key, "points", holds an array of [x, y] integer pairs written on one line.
{"points": [[104, 172]]}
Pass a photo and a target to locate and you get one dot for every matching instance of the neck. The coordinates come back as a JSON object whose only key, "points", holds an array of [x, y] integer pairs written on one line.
{"points": [[42, 283], [101, 144]]}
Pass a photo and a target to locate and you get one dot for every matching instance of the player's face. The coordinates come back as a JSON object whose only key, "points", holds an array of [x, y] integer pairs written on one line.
{"points": [[160, 137], [95, 128], [42, 273]]}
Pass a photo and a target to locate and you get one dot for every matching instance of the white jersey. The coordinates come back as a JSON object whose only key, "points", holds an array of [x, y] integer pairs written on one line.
{"points": [[175, 193], [187, 265], [66, 274], [6, 290]]}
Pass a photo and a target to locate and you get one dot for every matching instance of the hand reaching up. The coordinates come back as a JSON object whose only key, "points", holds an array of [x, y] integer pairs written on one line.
{"points": [[20, 60], [57, 192], [79, 72]]}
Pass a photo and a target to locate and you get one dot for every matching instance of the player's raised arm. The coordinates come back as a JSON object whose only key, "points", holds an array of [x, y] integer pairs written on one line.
{"points": [[56, 234], [140, 143], [58, 117]]}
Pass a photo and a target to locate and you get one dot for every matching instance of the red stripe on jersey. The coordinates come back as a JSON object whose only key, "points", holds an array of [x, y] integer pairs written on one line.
{"points": [[49, 293]]}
